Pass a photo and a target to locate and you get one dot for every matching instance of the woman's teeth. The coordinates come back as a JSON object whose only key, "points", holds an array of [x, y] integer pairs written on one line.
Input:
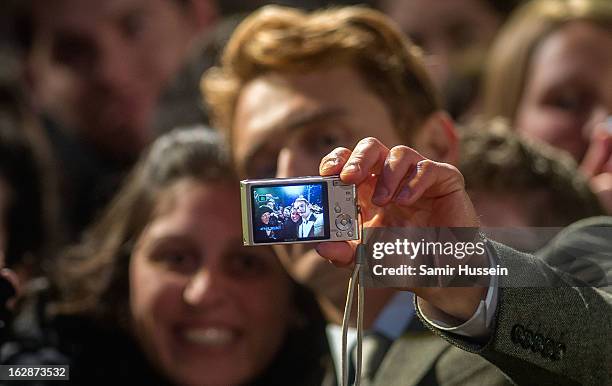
{"points": [[212, 336]]}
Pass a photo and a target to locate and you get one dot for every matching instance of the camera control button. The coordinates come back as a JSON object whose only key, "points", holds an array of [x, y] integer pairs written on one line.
{"points": [[337, 208], [349, 234], [339, 234], [344, 222]]}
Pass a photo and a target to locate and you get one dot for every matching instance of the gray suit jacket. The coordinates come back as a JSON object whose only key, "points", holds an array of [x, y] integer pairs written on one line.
{"points": [[420, 358], [426, 360], [560, 335]]}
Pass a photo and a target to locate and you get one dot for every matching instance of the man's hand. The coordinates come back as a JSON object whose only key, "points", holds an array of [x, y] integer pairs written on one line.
{"points": [[597, 164], [398, 187]]}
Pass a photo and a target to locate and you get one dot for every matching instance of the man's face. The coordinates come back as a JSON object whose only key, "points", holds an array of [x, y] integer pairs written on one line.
{"points": [[285, 123], [302, 209], [265, 218], [99, 66]]}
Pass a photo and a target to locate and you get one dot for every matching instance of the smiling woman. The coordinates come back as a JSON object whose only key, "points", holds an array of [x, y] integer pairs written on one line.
{"points": [[550, 72], [203, 306], [163, 292]]}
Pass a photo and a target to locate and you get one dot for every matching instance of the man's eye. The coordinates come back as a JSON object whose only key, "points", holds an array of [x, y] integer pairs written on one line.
{"points": [[261, 168], [324, 143], [132, 25], [74, 51]]}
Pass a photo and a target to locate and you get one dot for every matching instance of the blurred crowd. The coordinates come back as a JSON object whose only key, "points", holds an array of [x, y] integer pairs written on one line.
{"points": [[125, 126]]}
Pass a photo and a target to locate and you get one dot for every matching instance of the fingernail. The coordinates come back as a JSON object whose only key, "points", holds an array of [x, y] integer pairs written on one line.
{"points": [[404, 194], [351, 168], [330, 163], [381, 193]]}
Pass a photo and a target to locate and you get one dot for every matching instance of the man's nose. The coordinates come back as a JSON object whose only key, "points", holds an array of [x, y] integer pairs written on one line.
{"points": [[205, 288], [112, 69], [293, 162]]}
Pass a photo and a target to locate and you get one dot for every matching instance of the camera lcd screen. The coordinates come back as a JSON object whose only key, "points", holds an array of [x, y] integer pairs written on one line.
{"points": [[288, 213]]}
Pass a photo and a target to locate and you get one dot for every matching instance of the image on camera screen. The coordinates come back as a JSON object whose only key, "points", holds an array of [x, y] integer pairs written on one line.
{"points": [[290, 213]]}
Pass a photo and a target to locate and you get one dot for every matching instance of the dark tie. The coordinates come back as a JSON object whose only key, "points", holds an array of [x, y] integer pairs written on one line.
{"points": [[375, 346]]}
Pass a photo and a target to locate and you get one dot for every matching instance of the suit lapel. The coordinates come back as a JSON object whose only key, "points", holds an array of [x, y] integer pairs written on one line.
{"points": [[308, 225]]}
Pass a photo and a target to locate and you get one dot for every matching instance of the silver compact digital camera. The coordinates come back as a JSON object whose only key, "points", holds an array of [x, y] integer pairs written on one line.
{"points": [[298, 210]]}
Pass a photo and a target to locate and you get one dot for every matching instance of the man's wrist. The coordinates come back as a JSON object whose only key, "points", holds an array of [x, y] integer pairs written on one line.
{"points": [[459, 303]]}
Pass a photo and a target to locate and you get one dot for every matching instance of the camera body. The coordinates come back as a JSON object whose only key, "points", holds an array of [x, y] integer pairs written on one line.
{"points": [[298, 210]]}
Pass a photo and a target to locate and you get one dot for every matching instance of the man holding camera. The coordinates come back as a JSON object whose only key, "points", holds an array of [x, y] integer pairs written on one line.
{"points": [[293, 87], [312, 223]]}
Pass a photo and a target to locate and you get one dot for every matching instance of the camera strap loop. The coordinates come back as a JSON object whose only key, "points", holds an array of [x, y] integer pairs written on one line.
{"points": [[354, 282]]}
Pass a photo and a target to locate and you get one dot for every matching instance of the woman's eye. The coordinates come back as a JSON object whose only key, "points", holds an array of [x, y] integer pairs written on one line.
{"points": [[247, 265], [175, 260]]}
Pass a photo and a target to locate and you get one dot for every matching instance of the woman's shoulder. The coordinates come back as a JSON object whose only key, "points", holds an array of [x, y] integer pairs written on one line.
{"points": [[96, 353]]}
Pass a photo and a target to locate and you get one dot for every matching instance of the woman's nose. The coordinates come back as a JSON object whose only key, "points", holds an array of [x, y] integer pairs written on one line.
{"points": [[205, 288]]}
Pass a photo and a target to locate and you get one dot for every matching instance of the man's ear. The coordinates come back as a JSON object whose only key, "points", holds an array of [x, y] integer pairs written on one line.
{"points": [[437, 139], [205, 13]]}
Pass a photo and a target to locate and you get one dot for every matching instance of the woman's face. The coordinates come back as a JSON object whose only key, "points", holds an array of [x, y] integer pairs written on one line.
{"points": [[295, 216], [265, 218], [206, 309], [569, 87]]}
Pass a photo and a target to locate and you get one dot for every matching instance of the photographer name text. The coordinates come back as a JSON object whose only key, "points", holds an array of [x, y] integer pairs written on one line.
{"points": [[425, 270]]}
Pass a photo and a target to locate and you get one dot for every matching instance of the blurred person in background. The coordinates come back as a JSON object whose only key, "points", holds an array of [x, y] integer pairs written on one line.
{"points": [[516, 183], [550, 75], [181, 102], [161, 292], [294, 85], [27, 229], [95, 71], [29, 226], [455, 36]]}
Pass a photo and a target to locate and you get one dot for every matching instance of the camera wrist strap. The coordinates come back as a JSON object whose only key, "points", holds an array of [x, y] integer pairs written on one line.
{"points": [[355, 281]]}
